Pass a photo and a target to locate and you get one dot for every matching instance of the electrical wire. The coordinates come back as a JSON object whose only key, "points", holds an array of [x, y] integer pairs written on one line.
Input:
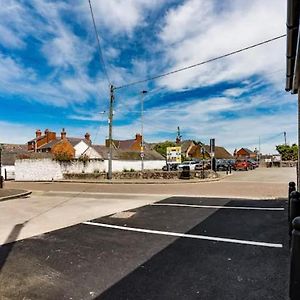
{"points": [[99, 46], [198, 64], [165, 110]]}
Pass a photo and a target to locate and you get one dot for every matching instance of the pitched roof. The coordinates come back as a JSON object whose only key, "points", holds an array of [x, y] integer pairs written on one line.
{"points": [[119, 154], [73, 141], [49, 145], [220, 152], [126, 144], [247, 150], [10, 151], [8, 159], [14, 148], [185, 145]]}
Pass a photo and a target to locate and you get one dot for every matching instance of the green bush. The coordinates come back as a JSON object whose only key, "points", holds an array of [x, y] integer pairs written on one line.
{"points": [[63, 157]]}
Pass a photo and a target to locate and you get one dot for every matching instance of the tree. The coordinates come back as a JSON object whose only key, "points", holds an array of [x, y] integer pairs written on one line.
{"points": [[288, 152], [161, 148]]}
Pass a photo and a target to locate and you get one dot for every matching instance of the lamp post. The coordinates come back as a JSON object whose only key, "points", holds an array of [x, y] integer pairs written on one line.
{"points": [[142, 129], [202, 152]]}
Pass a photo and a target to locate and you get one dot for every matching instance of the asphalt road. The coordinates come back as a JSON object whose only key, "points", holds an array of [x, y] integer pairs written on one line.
{"points": [[258, 183], [237, 250]]}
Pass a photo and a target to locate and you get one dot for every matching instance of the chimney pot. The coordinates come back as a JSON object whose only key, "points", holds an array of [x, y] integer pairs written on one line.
{"points": [[63, 134], [87, 136], [38, 133]]}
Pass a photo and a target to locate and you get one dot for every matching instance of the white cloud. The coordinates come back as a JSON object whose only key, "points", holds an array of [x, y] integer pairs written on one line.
{"points": [[123, 16], [15, 133], [196, 31], [234, 92]]}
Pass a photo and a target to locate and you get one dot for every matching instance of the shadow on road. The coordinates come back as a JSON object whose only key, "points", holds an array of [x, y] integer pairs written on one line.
{"points": [[9, 244]]}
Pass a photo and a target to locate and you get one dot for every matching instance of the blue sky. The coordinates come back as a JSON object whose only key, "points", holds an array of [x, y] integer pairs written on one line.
{"points": [[51, 77]]}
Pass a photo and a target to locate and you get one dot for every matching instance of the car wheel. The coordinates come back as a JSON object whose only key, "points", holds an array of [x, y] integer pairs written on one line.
{"points": [[246, 169]]}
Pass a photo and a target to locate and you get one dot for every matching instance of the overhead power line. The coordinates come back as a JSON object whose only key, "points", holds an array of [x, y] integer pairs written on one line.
{"points": [[99, 45], [199, 64]]}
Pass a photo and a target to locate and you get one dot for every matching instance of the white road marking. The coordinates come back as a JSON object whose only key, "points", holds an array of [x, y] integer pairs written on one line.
{"points": [[218, 206], [166, 195], [184, 235]]}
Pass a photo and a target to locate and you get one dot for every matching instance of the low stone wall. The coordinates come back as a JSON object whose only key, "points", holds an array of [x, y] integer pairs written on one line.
{"points": [[143, 175]]}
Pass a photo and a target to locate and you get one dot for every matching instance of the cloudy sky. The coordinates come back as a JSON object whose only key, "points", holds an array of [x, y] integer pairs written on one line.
{"points": [[51, 76]]}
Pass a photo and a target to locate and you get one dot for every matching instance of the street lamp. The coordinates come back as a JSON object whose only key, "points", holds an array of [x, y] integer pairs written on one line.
{"points": [[202, 152], [142, 128]]}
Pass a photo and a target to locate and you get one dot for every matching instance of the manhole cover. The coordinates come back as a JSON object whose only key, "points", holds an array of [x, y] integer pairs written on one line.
{"points": [[123, 215]]}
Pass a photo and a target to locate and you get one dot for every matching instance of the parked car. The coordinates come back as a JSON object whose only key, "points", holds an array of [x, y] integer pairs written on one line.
{"points": [[254, 163], [199, 166], [191, 164], [222, 166], [170, 167], [242, 165], [231, 162]]}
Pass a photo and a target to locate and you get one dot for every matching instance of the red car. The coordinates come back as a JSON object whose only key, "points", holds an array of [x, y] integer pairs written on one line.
{"points": [[242, 165]]}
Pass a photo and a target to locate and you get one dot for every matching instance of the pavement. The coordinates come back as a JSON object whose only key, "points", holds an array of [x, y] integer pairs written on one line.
{"points": [[47, 211], [258, 183], [55, 205], [6, 194], [176, 248]]}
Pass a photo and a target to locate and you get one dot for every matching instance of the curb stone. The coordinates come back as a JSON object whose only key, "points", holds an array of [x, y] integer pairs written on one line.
{"points": [[27, 193]]}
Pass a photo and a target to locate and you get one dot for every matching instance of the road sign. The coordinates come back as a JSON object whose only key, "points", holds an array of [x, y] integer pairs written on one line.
{"points": [[173, 154], [142, 154]]}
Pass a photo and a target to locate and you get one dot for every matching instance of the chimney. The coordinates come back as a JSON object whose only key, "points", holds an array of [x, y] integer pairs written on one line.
{"points": [[87, 136], [63, 134], [138, 138], [38, 133], [50, 136]]}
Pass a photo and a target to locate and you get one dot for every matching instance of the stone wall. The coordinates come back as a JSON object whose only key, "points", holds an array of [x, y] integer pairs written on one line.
{"points": [[143, 175]]}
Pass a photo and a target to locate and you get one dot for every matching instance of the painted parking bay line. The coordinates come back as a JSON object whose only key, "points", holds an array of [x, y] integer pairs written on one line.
{"points": [[219, 206], [185, 235]]}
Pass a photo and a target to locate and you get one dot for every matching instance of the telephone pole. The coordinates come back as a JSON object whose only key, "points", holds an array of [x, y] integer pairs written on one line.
{"points": [[142, 130], [110, 123], [284, 134]]}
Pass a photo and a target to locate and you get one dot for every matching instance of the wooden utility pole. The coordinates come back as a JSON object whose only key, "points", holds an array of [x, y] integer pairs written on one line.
{"points": [[284, 134], [110, 124]]}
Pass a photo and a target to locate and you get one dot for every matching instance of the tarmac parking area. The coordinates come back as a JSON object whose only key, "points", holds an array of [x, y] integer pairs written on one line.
{"points": [[177, 248]]}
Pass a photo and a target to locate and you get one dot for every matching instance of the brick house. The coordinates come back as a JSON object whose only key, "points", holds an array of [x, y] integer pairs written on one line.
{"points": [[73, 147], [130, 145], [191, 149], [245, 153]]}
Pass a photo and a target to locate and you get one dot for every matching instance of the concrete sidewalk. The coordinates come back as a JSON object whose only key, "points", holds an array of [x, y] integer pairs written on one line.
{"points": [[6, 194], [47, 211]]}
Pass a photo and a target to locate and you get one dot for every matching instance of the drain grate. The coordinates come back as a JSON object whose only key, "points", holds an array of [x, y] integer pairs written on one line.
{"points": [[123, 215]]}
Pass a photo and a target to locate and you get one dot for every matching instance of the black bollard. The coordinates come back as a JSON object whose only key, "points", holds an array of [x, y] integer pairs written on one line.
{"points": [[292, 188], [294, 209], [295, 261]]}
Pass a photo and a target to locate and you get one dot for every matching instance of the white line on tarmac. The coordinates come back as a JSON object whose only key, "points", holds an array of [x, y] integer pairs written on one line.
{"points": [[184, 235], [240, 197], [219, 206]]}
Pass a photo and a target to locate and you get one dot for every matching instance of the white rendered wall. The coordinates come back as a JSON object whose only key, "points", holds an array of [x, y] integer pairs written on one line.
{"points": [[120, 165], [83, 148], [10, 171], [48, 169]]}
